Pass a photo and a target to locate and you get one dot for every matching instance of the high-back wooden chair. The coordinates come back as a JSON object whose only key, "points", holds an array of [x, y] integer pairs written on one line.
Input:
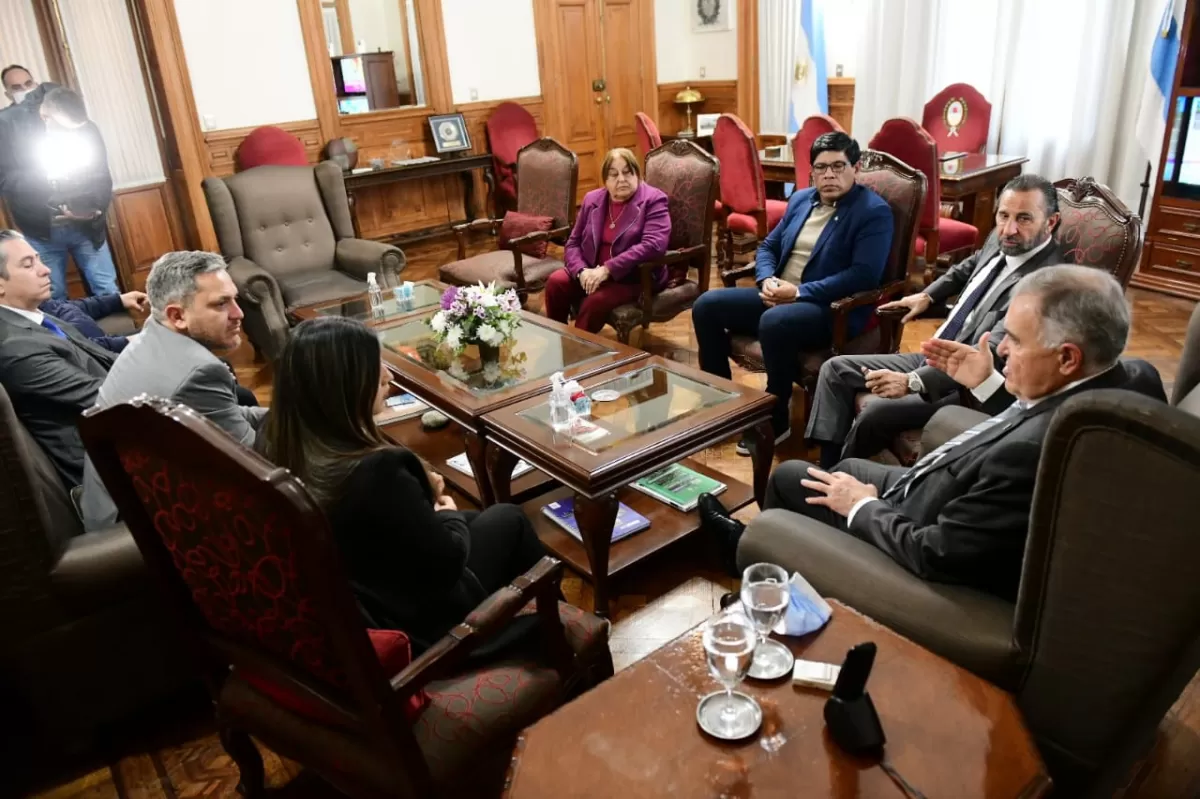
{"points": [[744, 207], [509, 128], [811, 129], [958, 118], [247, 560], [648, 136]]}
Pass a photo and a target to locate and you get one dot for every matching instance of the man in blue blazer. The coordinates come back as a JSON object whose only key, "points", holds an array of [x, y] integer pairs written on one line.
{"points": [[832, 242]]}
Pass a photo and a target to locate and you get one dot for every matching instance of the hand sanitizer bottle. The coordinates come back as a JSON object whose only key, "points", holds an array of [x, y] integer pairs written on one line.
{"points": [[561, 411], [375, 296]]}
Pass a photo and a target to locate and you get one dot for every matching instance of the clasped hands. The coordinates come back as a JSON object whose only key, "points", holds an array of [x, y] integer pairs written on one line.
{"points": [[591, 279], [777, 292], [440, 500]]}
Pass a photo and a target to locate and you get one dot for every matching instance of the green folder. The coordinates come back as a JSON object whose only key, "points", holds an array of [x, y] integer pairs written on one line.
{"points": [[678, 486]]}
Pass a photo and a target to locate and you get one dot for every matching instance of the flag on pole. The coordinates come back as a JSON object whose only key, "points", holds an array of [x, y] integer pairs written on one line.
{"points": [[810, 94], [1154, 111]]}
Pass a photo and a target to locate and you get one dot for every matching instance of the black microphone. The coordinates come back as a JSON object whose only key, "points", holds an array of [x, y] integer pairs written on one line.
{"points": [[849, 712]]}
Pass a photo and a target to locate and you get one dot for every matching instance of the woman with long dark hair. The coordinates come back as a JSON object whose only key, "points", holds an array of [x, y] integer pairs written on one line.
{"points": [[418, 564]]}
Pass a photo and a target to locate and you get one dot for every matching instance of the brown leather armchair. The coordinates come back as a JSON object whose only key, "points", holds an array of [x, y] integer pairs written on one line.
{"points": [[547, 178], [1185, 394], [904, 189], [291, 661], [84, 643], [1096, 647], [288, 238]]}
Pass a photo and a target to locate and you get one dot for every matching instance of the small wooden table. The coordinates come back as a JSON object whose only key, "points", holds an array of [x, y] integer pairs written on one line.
{"points": [[950, 733], [426, 294], [665, 411]]}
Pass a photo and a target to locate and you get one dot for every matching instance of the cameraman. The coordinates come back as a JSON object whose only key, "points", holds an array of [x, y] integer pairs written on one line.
{"points": [[54, 175]]}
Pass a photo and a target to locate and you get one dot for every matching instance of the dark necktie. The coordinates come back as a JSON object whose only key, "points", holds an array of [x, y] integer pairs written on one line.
{"points": [[53, 328], [961, 311]]}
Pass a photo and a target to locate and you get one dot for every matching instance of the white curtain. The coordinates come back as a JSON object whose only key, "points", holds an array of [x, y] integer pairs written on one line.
{"points": [[778, 31], [110, 76], [1058, 76], [19, 39]]}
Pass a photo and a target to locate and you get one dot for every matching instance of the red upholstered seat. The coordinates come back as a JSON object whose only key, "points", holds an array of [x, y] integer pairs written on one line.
{"points": [[952, 235], [968, 110], [509, 128], [816, 125], [743, 205], [270, 146], [743, 223], [647, 134]]}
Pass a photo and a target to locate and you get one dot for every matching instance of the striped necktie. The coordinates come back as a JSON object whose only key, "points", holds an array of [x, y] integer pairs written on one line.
{"points": [[961, 311], [927, 462]]}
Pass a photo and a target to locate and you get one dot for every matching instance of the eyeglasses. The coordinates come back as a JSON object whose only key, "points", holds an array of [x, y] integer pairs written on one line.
{"points": [[837, 168]]}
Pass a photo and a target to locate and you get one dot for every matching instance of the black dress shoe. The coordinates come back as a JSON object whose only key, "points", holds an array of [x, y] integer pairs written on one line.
{"points": [[724, 529]]}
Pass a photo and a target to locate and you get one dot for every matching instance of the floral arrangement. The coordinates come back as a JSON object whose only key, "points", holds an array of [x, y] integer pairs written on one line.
{"points": [[476, 315]]}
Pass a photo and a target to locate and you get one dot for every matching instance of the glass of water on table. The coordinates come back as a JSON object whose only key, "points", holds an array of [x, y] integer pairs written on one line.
{"points": [[730, 715], [765, 596]]}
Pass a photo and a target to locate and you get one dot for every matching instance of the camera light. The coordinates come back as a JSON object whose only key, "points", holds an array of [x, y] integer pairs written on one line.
{"points": [[63, 154]]}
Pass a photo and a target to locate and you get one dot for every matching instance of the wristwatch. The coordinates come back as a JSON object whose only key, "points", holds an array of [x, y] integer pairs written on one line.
{"points": [[915, 386]]}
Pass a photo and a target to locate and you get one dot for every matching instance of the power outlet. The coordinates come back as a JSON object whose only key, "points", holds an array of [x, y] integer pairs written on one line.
{"points": [[209, 122], [474, 94], [702, 71]]}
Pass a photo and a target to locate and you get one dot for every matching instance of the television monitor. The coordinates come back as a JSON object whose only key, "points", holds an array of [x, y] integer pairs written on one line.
{"points": [[353, 80], [353, 105], [1181, 173]]}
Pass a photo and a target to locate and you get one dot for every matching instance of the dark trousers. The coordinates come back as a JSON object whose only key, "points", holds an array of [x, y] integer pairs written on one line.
{"points": [[564, 291], [784, 331], [785, 491], [503, 546]]}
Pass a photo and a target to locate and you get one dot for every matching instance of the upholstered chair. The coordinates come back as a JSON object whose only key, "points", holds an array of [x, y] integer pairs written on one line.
{"points": [[1185, 394], [904, 189], [648, 136], [287, 236], [270, 146], [810, 129], [1105, 630], [547, 177], [744, 207], [689, 176], [246, 560], [970, 134], [938, 236], [509, 128]]}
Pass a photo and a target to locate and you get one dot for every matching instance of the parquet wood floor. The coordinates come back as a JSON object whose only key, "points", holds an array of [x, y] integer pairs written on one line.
{"points": [[655, 601]]}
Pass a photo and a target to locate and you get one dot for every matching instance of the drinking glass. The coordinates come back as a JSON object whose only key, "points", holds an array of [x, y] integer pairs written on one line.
{"points": [[729, 641], [765, 596]]}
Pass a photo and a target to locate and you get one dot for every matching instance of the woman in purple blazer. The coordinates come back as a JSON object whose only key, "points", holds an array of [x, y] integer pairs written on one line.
{"points": [[618, 227]]}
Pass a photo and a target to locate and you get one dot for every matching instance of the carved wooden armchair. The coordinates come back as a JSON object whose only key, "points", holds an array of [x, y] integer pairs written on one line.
{"points": [[247, 561], [690, 177], [904, 189], [547, 176]]}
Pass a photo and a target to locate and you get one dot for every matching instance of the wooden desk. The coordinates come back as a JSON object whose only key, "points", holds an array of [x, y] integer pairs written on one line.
{"points": [[950, 733], [462, 165]]}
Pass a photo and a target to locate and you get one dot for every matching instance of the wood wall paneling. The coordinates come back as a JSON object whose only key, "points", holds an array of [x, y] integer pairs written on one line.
{"points": [[222, 145], [747, 86], [144, 225], [720, 97], [841, 102]]}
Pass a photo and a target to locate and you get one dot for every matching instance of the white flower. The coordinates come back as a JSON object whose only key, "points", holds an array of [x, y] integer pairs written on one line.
{"points": [[454, 337], [457, 371], [489, 335], [488, 300], [438, 322], [491, 373]]}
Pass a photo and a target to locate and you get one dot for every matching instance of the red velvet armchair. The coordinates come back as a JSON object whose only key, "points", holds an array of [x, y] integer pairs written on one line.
{"points": [[547, 176], [958, 118], [689, 177], [939, 237], [648, 136], [904, 188], [815, 126], [744, 207], [270, 146], [246, 560], [509, 128]]}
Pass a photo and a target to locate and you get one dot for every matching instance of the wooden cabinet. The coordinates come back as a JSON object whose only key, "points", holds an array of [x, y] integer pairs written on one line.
{"points": [[1171, 256], [841, 101]]}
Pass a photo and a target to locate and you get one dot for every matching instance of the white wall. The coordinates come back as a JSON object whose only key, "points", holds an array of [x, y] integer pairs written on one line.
{"points": [[842, 25], [492, 49], [681, 54], [252, 72], [377, 24]]}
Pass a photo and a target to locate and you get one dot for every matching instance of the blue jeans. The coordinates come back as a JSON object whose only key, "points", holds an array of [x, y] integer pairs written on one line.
{"points": [[95, 263], [783, 331]]}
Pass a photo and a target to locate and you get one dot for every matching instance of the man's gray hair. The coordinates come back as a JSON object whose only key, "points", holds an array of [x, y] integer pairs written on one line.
{"points": [[5, 237], [173, 278], [1084, 306]]}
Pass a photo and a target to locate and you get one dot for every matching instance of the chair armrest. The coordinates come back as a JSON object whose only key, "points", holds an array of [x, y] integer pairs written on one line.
{"points": [[538, 235], [357, 257], [870, 297], [255, 285], [672, 257], [441, 659], [842, 307], [492, 226], [99, 568], [266, 322]]}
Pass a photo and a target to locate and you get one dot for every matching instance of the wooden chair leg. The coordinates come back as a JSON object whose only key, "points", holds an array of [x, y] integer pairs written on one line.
{"points": [[251, 773]]}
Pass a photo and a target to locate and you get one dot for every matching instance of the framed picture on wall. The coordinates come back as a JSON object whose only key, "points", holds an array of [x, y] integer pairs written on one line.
{"points": [[450, 133], [709, 15], [706, 124]]}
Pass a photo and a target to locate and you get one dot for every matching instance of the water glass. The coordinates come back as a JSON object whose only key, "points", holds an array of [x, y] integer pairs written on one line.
{"points": [[765, 597], [729, 641]]}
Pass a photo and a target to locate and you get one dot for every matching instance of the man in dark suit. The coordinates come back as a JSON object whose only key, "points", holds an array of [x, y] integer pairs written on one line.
{"points": [[51, 371], [833, 241], [907, 391], [961, 513]]}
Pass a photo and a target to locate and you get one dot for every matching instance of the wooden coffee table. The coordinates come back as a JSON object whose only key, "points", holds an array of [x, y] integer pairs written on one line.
{"points": [[665, 412], [950, 733], [426, 294]]}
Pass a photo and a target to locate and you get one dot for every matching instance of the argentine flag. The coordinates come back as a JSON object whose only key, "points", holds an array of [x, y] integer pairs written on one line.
{"points": [[1152, 116], [810, 93]]}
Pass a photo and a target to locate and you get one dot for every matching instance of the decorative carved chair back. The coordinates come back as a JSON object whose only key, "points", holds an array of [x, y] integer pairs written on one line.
{"points": [[547, 177], [811, 128], [958, 118], [647, 133], [690, 177], [1097, 229], [743, 190], [910, 143], [904, 189]]}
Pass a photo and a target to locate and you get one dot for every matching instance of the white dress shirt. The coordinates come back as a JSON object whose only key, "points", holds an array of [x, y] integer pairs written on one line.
{"points": [[33, 316]]}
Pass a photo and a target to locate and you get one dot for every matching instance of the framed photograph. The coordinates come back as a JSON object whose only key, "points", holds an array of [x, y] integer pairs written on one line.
{"points": [[706, 124], [709, 15], [450, 133]]}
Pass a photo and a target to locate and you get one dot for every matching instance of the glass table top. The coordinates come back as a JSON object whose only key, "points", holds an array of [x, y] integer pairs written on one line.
{"points": [[535, 352], [647, 399], [425, 295]]}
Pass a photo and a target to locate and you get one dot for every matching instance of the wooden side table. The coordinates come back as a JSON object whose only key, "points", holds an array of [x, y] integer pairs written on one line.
{"points": [[950, 733]]}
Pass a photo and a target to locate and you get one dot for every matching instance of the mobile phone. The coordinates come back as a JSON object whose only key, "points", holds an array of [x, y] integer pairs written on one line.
{"points": [[852, 679]]}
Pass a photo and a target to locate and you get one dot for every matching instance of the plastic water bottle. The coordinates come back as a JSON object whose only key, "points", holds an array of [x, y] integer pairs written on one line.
{"points": [[561, 410], [375, 297]]}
